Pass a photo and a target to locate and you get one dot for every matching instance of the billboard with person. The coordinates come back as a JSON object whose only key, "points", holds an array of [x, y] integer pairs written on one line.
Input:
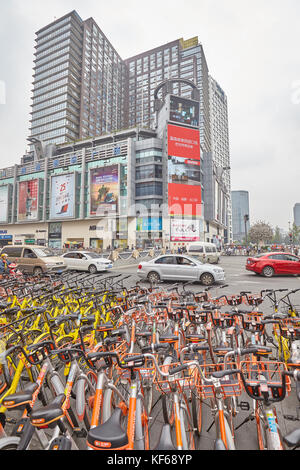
{"points": [[28, 200], [62, 196], [184, 111], [104, 190]]}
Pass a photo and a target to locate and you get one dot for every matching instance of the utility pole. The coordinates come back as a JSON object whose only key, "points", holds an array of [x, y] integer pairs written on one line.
{"points": [[246, 219]]}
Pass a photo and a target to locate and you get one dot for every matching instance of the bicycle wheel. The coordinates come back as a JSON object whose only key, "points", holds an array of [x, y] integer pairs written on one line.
{"points": [[230, 445], [187, 428], [9, 443], [196, 407], [261, 428], [141, 426], [168, 399], [85, 392]]}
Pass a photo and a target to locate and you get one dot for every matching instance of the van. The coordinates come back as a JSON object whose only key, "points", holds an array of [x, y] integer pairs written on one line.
{"points": [[34, 259], [204, 251]]}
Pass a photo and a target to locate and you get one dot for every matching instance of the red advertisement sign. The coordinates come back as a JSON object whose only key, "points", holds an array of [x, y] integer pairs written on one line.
{"points": [[184, 199], [183, 142]]}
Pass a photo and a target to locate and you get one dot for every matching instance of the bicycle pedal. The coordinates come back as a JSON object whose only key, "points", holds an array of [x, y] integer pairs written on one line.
{"points": [[80, 432], [9, 420], [244, 405]]}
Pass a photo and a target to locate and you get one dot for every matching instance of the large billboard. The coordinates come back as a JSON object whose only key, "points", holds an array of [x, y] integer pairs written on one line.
{"points": [[62, 199], [104, 190], [184, 111], [183, 142], [28, 200], [3, 203], [184, 177], [183, 230]]}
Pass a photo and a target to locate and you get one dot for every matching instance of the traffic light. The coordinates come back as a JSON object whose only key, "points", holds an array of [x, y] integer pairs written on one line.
{"points": [[291, 237]]}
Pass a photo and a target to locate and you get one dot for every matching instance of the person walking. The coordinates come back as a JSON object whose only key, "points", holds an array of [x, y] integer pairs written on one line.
{"points": [[4, 264]]}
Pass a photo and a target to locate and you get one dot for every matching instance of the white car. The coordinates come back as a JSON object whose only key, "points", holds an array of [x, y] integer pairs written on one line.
{"points": [[86, 261], [180, 268]]}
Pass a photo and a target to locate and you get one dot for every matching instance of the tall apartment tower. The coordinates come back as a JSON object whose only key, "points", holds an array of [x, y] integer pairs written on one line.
{"points": [[79, 86], [220, 141], [177, 59], [240, 208], [296, 211]]}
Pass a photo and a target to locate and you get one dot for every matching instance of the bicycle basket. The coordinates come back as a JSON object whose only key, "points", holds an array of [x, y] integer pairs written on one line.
{"points": [[228, 386], [184, 380], [265, 375]]}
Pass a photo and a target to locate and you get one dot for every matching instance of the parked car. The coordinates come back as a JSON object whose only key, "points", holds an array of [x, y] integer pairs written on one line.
{"points": [[270, 264], [86, 261], [34, 258], [180, 268], [204, 251]]}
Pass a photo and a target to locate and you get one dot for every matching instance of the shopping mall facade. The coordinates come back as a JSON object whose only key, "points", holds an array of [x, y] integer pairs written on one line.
{"points": [[136, 187]]}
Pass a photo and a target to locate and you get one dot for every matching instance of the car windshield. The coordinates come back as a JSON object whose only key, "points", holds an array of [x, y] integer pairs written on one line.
{"points": [[43, 252]]}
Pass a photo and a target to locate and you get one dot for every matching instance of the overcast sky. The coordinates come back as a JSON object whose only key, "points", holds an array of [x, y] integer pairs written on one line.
{"points": [[252, 50]]}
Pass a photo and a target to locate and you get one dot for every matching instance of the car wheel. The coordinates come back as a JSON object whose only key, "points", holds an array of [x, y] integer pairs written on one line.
{"points": [[37, 271], [207, 279], [268, 271], [153, 277], [92, 269]]}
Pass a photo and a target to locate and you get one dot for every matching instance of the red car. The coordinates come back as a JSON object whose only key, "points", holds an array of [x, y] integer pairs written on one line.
{"points": [[269, 264]]}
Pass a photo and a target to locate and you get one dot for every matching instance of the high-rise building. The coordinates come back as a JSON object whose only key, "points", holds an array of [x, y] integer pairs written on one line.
{"points": [[177, 59], [240, 208], [296, 211], [79, 87], [220, 144]]}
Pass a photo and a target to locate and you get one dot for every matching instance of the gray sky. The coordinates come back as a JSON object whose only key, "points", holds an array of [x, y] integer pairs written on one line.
{"points": [[252, 51]]}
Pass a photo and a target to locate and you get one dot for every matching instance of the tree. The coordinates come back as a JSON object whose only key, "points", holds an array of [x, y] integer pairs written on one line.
{"points": [[277, 237], [295, 233], [260, 233]]}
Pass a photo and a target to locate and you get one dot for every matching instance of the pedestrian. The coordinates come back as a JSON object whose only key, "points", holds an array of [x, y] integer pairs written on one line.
{"points": [[296, 251], [4, 263]]}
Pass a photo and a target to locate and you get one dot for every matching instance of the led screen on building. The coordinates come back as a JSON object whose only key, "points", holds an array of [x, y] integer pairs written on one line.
{"points": [[184, 111], [62, 199], [183, 230], [3, 203], [104, 190], [184, 178], [28, 200], [183, 142]]}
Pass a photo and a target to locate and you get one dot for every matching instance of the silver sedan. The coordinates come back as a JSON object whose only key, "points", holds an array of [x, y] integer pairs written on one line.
{"points": [[180, 268]]}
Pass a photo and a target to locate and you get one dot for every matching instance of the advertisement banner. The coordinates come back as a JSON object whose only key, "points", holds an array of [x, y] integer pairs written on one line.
{"points": [[183, 142], [184, 199], [3, 203], [184, 177], [104, 190], [28, 200], [183, 230], [184, 111], [62, 204], [151, 224]]}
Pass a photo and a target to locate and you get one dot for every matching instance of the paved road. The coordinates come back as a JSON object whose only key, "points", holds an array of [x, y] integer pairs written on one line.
{"points": [[238, 279]]}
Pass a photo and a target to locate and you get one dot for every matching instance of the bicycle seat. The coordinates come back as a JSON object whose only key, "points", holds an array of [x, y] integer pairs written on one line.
{"points": [[48, 415], [109, 435], [195, 338], [293, 439], [21, 398], [165, 440], [168, 338]]}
